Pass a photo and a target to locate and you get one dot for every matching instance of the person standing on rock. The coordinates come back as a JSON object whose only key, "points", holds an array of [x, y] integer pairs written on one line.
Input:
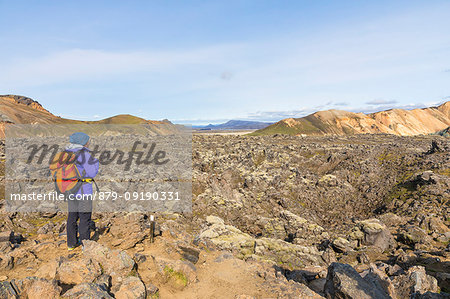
{"points": [[80, 205]]}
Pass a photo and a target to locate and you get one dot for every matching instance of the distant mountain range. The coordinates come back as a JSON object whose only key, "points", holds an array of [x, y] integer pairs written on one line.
{"points": [[24, 110], [339, 122], [235, 125]]}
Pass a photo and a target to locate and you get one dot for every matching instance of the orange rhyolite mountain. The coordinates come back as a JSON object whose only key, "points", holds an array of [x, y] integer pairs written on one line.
{"points": [[22, 110], [339, 122]]}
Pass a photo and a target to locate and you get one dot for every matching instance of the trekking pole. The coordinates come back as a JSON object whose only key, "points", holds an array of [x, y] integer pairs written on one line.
{"points": [[152, 228]]}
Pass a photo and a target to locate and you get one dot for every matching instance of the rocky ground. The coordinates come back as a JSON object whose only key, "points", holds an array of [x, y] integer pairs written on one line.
{"points": [[362, 216]]}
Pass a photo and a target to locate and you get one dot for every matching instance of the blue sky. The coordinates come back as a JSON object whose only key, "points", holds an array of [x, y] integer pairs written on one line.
{"points": [[210, 61]]}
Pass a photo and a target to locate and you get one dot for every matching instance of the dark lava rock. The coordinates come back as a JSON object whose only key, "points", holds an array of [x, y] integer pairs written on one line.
{"points": [[344, 282]]}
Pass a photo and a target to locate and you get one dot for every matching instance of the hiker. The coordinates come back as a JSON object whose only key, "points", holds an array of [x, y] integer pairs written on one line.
{"points": [[81, 209]]}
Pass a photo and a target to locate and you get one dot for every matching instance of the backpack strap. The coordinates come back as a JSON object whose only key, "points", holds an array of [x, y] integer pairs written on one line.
{"points": [[89, 181], [83, 179]]}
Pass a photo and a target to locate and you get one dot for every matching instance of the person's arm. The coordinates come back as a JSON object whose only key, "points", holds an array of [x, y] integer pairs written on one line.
{"points": [[90, 166]]}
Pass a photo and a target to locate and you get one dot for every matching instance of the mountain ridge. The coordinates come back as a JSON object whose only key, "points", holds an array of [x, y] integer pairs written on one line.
{"points": [[24, 101], [340, 122], [24, 110], [15, 109], [235, 124]]}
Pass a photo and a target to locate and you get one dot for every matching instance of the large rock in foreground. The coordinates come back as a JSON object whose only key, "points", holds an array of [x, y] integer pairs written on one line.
{"points": [[87, 290], [132, 287], [116, 263], [74, 272], [415, 282], [344, 282], [228, 237], [31, 288]]}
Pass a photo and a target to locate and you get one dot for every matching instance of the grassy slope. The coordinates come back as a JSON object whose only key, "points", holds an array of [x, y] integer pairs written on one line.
{"points": [[121, 119], [306, 125]]}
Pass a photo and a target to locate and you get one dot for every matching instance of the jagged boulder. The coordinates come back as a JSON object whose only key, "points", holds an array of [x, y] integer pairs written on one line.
{"points": [[298, 228], [377, 276], [433, 224], [292, 255], [275, 279], [22, 256], [413, 235], [129, 230], [131, 288], [74, 272], [426, 177], [391, 219], [48, 270], [6, 236], [10, 236], [5, 247], [341, 245], [6, 261], [372, 232], [228, 237], [431, 295], [34, 287], [7, 291], [344, 282], [116, 263], [87, 290], [437, 146], [42, 288], [189, 253], [390, 270], [415, 282], [329, 256]]}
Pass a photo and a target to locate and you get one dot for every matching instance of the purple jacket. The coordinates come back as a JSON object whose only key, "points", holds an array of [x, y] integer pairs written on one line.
{"points": [[86, 169]]}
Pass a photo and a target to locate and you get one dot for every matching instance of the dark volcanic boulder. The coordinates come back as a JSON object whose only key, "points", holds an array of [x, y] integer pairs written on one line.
{"points": [[343, 282], [372, 232], [87, 290], [6, 290], [412, 235], [415, 282]]}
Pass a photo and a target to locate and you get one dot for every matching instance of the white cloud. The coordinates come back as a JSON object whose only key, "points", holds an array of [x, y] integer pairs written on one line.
{"points": [[88, 64], [350, 55], [278, 115], [381, 102], [372, 108]]}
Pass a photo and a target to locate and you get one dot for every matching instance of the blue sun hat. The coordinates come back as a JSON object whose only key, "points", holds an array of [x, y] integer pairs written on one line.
{"points": [[79, 138]]}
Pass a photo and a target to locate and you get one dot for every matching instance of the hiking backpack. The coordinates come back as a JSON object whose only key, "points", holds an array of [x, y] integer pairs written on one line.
{"points": [[65, 173]]}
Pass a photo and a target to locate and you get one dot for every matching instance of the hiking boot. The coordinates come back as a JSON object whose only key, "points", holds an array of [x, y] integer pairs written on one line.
{"points": [[96, 235], [70, 248]]}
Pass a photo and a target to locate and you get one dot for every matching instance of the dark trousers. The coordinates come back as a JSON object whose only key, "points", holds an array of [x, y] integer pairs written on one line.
{"points": [[76, 212]]}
